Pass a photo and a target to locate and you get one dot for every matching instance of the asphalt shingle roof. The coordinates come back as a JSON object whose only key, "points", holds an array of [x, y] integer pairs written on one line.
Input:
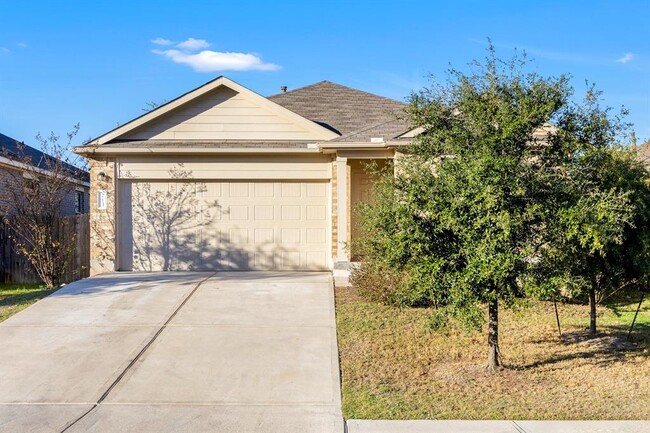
{"points": [[354, 114], [19, 151]]}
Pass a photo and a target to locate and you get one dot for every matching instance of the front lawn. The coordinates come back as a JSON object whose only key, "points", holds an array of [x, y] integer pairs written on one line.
{"points": [[394, 367], [16, 297]]}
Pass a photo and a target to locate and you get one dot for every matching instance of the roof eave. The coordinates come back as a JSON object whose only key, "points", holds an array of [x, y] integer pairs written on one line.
{"points": [[329, 147], [4, 161], [108, 150]]}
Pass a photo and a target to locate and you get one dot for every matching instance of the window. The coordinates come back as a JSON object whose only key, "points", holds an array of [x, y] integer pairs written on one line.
{"points": [[79, 202]]}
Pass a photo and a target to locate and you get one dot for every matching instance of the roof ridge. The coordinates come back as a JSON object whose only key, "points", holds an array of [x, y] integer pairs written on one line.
{"points": [[300, 88], [374, 95]]}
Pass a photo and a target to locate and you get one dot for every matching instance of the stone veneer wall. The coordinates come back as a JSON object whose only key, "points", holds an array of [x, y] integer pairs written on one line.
{"points": [[102, 222], [335, 218], [348, 205]]}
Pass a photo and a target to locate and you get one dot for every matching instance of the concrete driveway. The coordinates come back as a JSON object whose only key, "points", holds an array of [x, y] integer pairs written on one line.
{"points": [[173, 352]]}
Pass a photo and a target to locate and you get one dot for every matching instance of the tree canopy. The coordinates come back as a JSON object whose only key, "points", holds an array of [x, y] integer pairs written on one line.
{"points": [[473, 212]]}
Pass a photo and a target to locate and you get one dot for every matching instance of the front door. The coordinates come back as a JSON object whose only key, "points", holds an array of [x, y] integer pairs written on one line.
{"points": [[363, 174]]}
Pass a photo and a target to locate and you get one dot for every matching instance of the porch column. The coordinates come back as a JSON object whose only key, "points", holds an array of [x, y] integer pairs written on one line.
{"points": [[342, 208]]}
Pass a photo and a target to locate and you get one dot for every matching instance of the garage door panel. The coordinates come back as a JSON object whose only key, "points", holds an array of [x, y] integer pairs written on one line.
{"points": [[237, 236], [211, 189], [316, 213], [239, 190], [315, 236], [228, 225], [290, 190], [290, 213], [264, 213], [290, 260], [238, 213], [264, 236], [316, 190], [235, 258], [264, 190], [313, 259], [264, 260]]}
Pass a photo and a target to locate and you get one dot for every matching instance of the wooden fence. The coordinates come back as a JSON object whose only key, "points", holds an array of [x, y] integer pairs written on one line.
{"points": [[15, 268]]}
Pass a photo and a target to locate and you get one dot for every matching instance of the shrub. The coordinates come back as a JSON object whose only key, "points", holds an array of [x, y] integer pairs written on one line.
{"points": [[378, 283]]}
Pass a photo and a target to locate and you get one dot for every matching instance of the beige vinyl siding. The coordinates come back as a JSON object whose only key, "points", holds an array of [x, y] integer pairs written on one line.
{"points": [[223, 114], [220, 101], [227, 167]]}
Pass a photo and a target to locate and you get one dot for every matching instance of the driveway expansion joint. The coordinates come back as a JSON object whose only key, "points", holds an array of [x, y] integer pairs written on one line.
{"points": [[139, 355], [247, 352]]}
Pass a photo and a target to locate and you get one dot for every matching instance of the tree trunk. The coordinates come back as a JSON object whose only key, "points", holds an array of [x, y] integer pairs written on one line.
{"points": [[494, 355], [592, 313]]}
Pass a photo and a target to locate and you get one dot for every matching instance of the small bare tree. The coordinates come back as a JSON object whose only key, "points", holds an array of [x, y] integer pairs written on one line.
{"points": [[38, 189]]}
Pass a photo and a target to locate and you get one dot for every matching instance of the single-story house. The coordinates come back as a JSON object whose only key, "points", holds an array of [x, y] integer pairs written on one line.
{"points": [[22, 163], [222, 178]]}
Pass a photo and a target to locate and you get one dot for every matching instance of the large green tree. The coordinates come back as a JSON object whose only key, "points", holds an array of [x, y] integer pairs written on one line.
{"points": [[466, 211], [484, 205]]}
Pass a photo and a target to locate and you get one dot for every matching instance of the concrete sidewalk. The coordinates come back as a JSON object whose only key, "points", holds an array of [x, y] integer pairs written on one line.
{"points": [[243, 352], [463, 426]]}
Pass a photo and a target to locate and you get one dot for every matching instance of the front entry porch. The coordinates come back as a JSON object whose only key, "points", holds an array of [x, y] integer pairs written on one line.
{"points": [[355, 176]]}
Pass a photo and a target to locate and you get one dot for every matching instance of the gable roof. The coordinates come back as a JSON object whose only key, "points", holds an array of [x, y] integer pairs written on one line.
{"points": [[20, 152], [356, 115], [185, 99]]}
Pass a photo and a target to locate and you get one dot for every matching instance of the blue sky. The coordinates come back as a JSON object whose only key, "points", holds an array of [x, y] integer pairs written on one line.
{"points": [[63, 62]]}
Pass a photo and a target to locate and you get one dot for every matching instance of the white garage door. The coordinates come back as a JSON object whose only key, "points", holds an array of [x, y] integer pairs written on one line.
{"points": [[233, 225]]}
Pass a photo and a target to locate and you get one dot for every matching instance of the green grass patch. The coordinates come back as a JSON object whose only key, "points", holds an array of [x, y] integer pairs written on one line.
{"points": [[395, 367], [17, 297], [623, 310]]}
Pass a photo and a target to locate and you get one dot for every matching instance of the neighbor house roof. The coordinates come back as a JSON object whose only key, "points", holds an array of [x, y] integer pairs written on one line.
{"points": [[357, 116], [20, 152]]}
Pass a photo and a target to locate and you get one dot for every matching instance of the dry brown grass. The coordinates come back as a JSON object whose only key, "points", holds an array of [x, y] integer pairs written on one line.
{"points": [[394, 367]]}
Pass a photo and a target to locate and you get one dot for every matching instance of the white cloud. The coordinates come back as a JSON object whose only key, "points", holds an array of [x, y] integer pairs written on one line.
{"points": [[4, 50], [21, 45], [213, 61], [626, 58], [192, 44], [161, 41]]}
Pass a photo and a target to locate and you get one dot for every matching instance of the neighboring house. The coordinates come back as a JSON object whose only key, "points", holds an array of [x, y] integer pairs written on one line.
{"points": [[20, 161], [22, 166], [223, 178]]}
